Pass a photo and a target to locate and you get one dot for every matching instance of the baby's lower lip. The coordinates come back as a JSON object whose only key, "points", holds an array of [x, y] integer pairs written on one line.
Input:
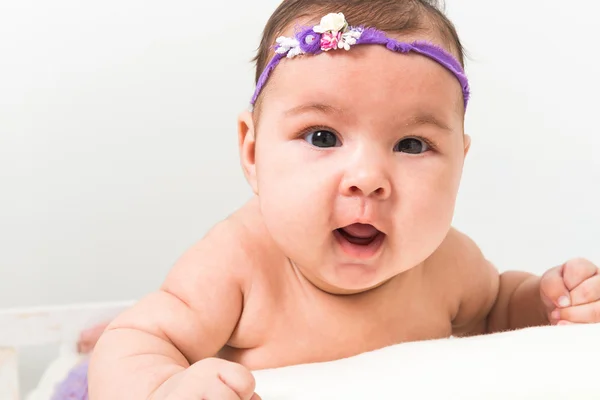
{"points": [[360, 251]]}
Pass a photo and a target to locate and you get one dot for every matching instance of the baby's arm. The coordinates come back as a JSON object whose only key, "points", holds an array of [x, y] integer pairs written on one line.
{"points": [[519, 304], [492, 302], [144, 352]]}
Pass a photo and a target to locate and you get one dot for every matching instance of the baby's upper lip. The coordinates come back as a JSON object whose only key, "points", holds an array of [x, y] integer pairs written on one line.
{"points": [[363, 221]]}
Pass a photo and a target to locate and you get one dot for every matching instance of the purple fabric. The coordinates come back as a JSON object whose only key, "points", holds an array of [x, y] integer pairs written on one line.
{"points": [[313, 47], [75, 385], [265, 75], [374, 36]]}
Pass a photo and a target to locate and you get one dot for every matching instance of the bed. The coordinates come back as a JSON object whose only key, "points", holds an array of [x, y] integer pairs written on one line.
{"points": [[536, 363]]}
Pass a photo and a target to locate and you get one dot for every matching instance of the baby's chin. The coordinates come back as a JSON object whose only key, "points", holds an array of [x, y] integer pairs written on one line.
{"points": [[348, 280]]}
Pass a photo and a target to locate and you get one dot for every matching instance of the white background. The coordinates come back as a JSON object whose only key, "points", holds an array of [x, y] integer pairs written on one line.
{"points": [[118, 136]]}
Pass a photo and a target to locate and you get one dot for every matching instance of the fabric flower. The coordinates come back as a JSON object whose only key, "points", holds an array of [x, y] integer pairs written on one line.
{"points": [[349, 38], [309, 40], [288, 46], [330, 40], [331, 23], [284, 44]]}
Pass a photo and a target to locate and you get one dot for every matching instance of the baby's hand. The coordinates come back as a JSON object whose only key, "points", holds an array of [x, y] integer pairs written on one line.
{"points": [[214, 379], [89, 337], [571, 293]]}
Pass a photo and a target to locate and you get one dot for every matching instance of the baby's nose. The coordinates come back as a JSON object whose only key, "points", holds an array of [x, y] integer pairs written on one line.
{"points": [[367, 182]]}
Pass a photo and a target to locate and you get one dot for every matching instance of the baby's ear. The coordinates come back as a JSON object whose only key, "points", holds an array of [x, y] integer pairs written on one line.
{"points": [[247, 147], [467, 140]]}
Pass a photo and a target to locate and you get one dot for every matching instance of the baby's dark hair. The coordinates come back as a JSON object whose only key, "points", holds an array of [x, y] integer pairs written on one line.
{"points": [[392, 16]]}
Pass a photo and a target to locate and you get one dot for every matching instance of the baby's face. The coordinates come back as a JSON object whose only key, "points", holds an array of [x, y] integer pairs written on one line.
{"points": [[358, 160]]}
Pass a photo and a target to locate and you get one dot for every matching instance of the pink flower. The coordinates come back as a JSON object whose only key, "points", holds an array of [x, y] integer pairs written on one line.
{"points": [[330, 40]]}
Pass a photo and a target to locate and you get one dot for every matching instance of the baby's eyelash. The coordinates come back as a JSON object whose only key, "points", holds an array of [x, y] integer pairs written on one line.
{"points": [[430, 143], [314, 128]]}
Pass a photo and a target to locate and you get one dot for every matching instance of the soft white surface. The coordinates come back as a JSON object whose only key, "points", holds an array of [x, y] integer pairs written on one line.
{"points": [[550, 363], [547, 363]]}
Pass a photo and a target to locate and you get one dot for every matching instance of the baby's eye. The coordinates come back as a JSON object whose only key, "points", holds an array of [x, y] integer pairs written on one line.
{"points": [[411, 146], [322, 138]]}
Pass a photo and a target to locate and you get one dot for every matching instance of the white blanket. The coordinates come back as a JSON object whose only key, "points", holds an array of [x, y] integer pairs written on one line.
{"points": [[548, 363], [536, 363]]}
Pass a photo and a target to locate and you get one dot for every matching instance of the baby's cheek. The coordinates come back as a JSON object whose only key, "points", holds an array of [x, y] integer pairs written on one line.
{"points": [[438, 203], [285, 202], [427, 208]]}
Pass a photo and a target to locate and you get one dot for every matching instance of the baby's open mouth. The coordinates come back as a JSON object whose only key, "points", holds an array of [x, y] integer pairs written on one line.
{"points": [[360, 234]]}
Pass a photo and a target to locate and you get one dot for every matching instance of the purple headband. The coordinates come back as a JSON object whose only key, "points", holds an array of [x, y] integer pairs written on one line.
{"points": [[334, 33]]}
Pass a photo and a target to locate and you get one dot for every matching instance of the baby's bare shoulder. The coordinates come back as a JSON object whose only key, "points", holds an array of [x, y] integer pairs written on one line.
{"points": [[457, 254], [204, 294], [221, 252], [468, 280], [230, 250]]}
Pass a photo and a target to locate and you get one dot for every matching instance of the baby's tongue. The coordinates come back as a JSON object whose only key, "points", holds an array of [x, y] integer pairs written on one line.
{"points": [[361, 230]]}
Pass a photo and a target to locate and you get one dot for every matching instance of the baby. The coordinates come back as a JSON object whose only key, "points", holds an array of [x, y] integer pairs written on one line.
{"points": [[354, 150]]}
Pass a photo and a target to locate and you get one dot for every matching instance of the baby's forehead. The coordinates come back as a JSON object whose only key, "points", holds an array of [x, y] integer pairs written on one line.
{"points": [[367, 75]]}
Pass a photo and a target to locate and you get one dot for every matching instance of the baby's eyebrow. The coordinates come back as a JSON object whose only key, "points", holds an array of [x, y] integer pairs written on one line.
{"points": [[419, 118], [314, 107], [426, 118]]}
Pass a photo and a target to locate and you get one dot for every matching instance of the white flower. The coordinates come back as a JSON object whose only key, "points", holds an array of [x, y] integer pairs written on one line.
{"points": [[349, 39], [295, 51], [331, 22], [286, 44]]}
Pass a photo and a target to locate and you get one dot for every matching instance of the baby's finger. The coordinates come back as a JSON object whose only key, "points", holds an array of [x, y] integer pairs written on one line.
{"points": [[583, 314], [553, 288], [577, 271], [564, 323], [239, 379], [587, 292], [220, 392]]}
